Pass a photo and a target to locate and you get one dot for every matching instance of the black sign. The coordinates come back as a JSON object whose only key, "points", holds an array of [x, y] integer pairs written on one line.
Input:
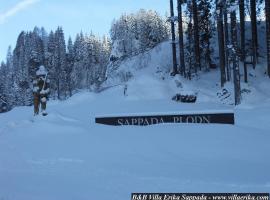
{"points": [[200, 196], [217, 118]]}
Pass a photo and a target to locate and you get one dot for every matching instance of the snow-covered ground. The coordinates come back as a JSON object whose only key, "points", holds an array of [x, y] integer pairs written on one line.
{"points": [[65, 155]]}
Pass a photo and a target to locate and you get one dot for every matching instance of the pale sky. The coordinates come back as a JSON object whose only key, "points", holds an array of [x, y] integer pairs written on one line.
{"points": [[72, 15]]}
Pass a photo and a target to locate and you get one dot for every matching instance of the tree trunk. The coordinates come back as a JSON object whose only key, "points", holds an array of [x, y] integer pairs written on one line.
{"points": [[181, 39], [254, 32], [196, 36], [267, 14], [221, 45], [227, 42], [242, 29], [175, 71], [236, 73], [208, 53], [243, 36], [58, 88]]}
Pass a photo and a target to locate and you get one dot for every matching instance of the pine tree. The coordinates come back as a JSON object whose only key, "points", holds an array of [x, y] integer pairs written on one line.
{"points": [[21, 61], [69, 84], [91, 60], [242, 36], [189, 50], [181, 39], [35, 55], [242, 29], [206, 32], [219, 11], [3, 79], [79, 54], [174, 71], [6, 93], [9, 81], [68, 68], [136, 33], [267, 14], [28, 55], [196, 35], [236, 72], [227, 42], [60, 61], [254, 31], [50, 62], [105, 54]]}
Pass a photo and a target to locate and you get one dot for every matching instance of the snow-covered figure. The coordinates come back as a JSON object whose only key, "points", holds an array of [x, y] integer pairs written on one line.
{"points": [[41, 90]]}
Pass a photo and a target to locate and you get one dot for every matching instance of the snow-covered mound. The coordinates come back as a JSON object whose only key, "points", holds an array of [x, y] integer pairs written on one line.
{"points": [[65, 155]]}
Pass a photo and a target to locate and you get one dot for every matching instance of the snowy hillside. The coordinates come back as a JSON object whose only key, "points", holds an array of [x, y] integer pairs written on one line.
{"points": [[147, 76], [65, 155]]}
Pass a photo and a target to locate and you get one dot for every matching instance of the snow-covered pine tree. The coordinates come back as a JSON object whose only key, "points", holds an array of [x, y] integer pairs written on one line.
{"points": [[60, 62], [91, 60], [122, 35], [67, 67], [80, 51], [105, 55], [36, 52], [3, 72], [152, 29], [50, 62], [18, 59], [10, 87], [45, 38], [6, 81], [136, 33], [97, 63], [69, 83], [28, 54], [20, 62]]}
